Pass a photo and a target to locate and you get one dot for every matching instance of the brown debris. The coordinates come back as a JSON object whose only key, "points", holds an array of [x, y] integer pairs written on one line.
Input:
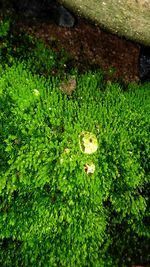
{"points": [[68, 86]]}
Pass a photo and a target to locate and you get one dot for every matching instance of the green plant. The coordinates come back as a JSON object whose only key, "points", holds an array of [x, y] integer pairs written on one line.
{"points": [[42, 59], [14, 45], [4, 27], [55, 213]]}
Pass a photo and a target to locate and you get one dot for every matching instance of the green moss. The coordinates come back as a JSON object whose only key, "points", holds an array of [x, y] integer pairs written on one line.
{"points": [[52, 212]]}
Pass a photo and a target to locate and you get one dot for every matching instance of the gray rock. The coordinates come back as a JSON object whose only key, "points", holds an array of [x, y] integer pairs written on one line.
{"points": [[144, 64], [63, 17]]}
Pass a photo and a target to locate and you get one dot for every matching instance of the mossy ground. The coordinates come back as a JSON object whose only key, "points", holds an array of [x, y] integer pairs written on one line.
{"points": [[53, 212]]}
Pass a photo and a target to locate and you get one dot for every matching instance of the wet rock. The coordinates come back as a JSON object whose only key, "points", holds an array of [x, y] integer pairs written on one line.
{"points": [[63, 17], [144, 63], [49, 9]]}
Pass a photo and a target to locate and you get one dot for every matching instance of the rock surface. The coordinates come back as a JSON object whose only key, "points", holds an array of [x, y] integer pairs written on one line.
{"points": [[128, 18]]}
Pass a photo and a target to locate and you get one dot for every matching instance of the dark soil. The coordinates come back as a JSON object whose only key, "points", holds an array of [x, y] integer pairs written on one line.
{"points": [[90, 47]]}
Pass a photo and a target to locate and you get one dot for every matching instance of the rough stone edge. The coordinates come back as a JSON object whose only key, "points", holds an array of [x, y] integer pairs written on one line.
{"points": [[126, 18]]}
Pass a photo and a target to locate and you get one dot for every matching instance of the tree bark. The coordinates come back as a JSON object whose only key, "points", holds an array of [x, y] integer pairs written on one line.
{"points": [[128, 18]]}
